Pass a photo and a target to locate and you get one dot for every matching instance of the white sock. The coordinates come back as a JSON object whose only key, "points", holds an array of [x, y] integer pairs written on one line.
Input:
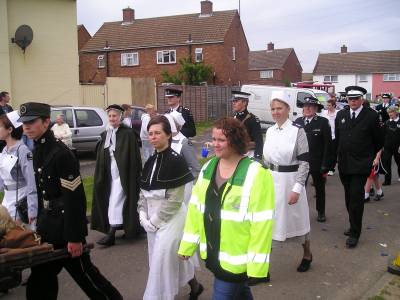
{"points": [[379, 192], [366, 195]]}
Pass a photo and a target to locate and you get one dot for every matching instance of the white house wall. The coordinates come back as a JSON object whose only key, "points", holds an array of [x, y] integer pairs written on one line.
{"points": [[346, 80]]}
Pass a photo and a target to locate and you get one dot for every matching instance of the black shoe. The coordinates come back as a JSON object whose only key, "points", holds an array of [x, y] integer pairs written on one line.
{"points": [[347, 232], [304, 265], [351, 242], [195, 296], [254, 280], [372, 192], [367, 199], [321, 217], [107, 241], [386, 183], [379, 197]]}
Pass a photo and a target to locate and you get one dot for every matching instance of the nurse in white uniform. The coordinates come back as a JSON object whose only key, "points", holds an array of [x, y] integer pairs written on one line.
{"points": [[16, 170], [286, 154]]}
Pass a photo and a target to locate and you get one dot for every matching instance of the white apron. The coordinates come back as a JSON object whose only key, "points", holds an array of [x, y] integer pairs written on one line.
{"points": [[7, 162], [177, 147], [290, 220], [167, 272], [117, 195]]}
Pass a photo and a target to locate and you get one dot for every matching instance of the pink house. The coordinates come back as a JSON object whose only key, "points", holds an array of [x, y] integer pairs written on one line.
{"points": [[386, 82]]}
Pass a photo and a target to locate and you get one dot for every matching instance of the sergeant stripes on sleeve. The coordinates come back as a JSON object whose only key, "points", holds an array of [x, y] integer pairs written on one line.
{"points": [[71, 184]]}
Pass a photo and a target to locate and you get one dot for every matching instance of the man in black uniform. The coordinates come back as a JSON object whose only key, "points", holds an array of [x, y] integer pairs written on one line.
{"points": [[382, 108], [173, 96], [358, 138], [240, 100], [391, 146], [319, 139], [62, 212]]}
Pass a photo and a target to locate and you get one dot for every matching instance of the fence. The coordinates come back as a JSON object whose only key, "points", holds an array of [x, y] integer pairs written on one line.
{"points": [[207, 103]]}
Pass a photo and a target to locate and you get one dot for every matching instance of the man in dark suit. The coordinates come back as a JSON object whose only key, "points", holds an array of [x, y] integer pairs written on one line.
{"points": [[359, 137], [173, 96], [240, 100], [392, 144], [319, 140], [382, 108]]}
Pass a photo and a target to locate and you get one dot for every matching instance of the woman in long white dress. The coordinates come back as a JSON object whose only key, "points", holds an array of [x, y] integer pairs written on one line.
{"points": [[162, 214], [286, 154]]}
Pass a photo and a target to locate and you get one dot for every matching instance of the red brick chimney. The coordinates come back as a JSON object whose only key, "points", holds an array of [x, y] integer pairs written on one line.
{"points": [[343, 49], [270, 46], [206, 8], [128, 15]]}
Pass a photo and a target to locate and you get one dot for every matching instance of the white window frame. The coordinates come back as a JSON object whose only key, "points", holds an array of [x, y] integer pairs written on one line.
{"points": [[266, 74], [363, 78], [234, 53], [129, 59], [391, 77], [331, 78], [161, 55], [101, 62], [198, 55]]}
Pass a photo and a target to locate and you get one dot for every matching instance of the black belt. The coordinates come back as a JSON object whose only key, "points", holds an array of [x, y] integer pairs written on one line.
{"points": [[276, 168], [53, 205]]}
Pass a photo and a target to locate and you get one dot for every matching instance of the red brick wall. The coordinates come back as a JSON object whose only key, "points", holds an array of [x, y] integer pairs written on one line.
{"points": [[83, 36], [219, 56], [292, 68]]}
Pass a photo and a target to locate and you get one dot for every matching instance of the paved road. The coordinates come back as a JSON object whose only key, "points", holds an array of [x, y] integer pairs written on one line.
{"points": [[336, 272]]}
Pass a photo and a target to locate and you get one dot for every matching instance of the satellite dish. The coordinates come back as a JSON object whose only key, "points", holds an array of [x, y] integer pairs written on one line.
{"points": [[23, 36]]}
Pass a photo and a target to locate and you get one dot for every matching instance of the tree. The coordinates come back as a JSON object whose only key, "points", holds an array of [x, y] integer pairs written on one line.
{"points": [[189, 73]]}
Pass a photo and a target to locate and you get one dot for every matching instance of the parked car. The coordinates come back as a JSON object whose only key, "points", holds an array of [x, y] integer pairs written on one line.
{"points": [[86, 123], [137, 112]]}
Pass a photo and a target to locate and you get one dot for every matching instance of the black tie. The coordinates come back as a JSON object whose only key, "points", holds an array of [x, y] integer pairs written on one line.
{"points": [[353, 116]]}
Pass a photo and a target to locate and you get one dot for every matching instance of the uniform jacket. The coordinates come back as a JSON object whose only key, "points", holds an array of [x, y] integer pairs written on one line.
{"points": [[61, 196], [129, 164], [392, 135], [357, 142], [246, 219], [383, 114], [319, 139], [252, 124], [189, 128]]}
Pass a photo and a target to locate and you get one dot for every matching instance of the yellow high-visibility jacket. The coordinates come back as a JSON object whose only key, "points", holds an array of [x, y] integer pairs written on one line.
{"points": [[246, 219]]}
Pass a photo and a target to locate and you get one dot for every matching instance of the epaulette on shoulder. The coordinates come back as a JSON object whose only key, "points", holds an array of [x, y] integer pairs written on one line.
{"points": [[185, 108], [297, 125]]}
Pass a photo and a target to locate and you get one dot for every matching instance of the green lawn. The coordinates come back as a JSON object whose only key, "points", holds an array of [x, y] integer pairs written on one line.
{"points": [[203, 126]]}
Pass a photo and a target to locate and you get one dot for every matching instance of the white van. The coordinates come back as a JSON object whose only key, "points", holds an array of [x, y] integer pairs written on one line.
{"points": [[260, 99]]}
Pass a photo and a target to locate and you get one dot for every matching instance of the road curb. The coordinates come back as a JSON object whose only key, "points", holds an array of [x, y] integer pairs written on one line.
{"points": [[379, 286]]}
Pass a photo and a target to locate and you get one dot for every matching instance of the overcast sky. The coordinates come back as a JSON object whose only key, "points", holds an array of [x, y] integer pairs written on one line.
{"points": [[308, 26]]}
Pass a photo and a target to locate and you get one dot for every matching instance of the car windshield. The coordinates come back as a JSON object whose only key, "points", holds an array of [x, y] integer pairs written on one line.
{"points": [[322, 97]]}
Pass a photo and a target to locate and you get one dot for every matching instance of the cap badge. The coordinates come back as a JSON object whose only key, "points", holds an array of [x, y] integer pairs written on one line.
{"points": [[22, 109]]}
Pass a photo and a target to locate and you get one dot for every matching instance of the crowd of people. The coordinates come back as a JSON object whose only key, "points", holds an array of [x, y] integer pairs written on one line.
{"points": [[244, 201]]}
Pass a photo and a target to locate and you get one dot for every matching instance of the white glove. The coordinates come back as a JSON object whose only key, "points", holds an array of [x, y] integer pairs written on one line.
{"points": [[148, 226], [142, 217]]}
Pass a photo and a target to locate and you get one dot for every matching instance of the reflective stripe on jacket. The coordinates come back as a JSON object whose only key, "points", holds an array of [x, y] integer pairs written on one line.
{"points": [[246, 219]]}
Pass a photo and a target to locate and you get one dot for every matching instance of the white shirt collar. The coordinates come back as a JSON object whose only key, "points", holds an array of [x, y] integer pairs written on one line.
{"points": [[357, 111], [284, 125], [395, 120]]}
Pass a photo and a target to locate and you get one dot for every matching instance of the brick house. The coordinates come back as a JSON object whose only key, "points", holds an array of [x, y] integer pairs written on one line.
{"points": [[140, 48], [377, 71], [274, 66], [83, 36]]}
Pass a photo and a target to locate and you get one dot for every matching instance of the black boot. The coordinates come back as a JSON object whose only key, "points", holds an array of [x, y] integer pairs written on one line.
{"points": [[109, 239]]}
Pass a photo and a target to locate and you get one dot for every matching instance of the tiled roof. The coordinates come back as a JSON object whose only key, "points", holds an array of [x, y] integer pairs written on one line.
{"points": [[162, 31], [274, 59], [358, 62]]}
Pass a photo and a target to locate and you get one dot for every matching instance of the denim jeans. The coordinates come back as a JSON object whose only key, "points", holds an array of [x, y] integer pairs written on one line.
{"points": [[224, 290]]}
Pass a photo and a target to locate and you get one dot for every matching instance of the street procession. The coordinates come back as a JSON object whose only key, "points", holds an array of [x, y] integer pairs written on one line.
{"points": [[160, 158]]}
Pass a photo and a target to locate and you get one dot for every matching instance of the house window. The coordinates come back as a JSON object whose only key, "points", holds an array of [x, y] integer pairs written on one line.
{"points": [[266, 74], [129, 59], [166, 57], [391, 77], [233, 53], [330, 78], [101, 62], [198, 55], [363, 78]]}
